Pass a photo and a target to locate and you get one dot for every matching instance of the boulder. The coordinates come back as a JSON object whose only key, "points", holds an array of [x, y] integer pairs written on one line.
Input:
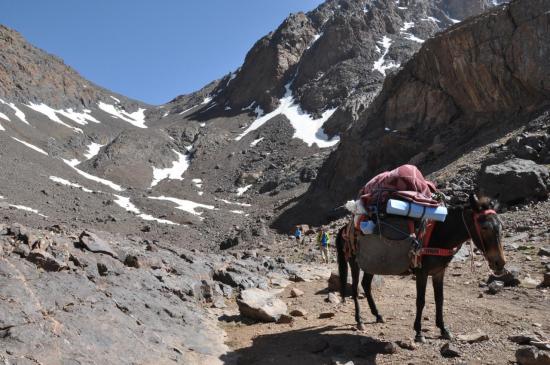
{"points": [[46, 260], [93, 243], [515, 181], [473, 337], [261, 305], [449, 350], [295, 293], [298, 312], [532, 356]]}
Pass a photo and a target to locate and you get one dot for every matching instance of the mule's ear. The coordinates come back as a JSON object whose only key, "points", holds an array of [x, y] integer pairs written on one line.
{"points": [[474, 202]]}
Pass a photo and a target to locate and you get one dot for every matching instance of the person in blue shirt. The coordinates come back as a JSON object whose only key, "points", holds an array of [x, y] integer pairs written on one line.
{"points": [[323, 238], [298, 234]]}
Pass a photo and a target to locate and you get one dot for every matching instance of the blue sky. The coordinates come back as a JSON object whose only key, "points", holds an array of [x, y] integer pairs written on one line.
{"points": [[149, 50]]}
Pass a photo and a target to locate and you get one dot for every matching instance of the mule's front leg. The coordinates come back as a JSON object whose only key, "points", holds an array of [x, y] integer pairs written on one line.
{"points": [[355, 294], [421, 281], [437, 281]]}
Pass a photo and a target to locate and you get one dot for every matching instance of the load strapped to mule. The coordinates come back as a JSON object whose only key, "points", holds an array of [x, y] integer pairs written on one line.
{"points": [[392, 222]]}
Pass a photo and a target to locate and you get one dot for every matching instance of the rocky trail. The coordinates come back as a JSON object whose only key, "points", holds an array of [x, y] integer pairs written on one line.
{"points": [[483, 319]]}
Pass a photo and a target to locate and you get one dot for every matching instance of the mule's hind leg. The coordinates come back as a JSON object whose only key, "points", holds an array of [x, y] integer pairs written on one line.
{"points": [[437, 281], [421, 281], [366, 283], [355, 294]]}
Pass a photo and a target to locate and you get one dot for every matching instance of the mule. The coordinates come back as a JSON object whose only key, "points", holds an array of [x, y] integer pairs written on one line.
{"points": [[476, 221]]}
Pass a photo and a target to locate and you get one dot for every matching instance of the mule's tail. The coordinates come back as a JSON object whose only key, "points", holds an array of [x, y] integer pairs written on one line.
{"points": [[342, 263]]}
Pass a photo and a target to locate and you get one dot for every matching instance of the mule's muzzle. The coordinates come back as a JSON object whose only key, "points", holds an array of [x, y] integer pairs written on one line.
{"points": [[497, 266]]}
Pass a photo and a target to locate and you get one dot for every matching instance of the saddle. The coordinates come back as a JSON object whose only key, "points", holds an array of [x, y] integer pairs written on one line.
{"points": [[392, 249]]}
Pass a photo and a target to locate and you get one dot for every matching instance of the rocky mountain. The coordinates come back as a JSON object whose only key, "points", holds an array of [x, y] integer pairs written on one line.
{"points": [[212, 164], [465, 88], [128, 228]]}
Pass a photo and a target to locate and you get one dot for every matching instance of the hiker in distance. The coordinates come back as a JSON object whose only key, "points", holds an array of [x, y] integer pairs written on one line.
{"points": [[323, 238]]}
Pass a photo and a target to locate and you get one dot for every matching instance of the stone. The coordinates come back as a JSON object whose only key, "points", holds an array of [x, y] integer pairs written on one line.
{"points": [[546, 280], [495, 287], [333, 298], [260, 305], [448, 351], [285, 319], [515, 181], [326, 315], [524, 338], [529, 283], [22, 250], [510, 278], [544, 251], [93, 243], [132, 261], [295, 293], [407, 345], [532, 356], [102, 269], [473, 337], [298, 312], [46, 260]]}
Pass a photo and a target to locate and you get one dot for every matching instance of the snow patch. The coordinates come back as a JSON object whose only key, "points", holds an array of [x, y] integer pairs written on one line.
{"points": [[234, 203], [242, 190], [81, 118], [4, 116], [306, 128], [40, 150], [18, 113], [174, 173], [1, 128], [185, 205], [407, 26], [381, 65], [93, 150], [256, 141], [68, 183], [125, 203], [315, 39], [197, 182], [136, 118], [108, 183], [27, 209], [237, 211], [51, 114]]}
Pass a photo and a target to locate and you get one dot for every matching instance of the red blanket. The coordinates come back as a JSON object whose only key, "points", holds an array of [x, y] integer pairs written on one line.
{"points": [[405, 183]]}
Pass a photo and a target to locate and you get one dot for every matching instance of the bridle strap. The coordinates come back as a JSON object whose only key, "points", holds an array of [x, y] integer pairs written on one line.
{"points": [[475, 218]]}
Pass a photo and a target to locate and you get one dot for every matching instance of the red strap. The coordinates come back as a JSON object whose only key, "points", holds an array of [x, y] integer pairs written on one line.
{"points": [[433, 251]]}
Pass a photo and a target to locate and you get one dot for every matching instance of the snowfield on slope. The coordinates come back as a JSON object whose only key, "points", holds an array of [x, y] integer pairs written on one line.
{"points": [[174, 173], [306, 128], [137, 118]]}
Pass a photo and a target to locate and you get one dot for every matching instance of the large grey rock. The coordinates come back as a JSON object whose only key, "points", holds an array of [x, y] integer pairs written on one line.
{"points": [[532, 356], [261, 305], [515, 180], [93, 243]]}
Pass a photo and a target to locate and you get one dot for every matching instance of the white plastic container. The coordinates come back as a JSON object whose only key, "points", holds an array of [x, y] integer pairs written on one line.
{"points": [[367, 227], [413, 210]]}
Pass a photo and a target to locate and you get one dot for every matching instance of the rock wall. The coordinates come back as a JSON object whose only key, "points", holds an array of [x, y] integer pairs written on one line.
{"points": [[482, 75]]}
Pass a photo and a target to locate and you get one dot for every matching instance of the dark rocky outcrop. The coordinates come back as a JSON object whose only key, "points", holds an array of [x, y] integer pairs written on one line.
{"points": [[515, 181]]}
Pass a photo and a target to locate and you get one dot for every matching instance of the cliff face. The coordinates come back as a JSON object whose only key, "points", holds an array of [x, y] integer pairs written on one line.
{"points": [[479, 76]]}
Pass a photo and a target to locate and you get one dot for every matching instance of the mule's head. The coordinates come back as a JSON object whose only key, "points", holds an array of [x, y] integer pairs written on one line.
{"points": [[486, 232]]}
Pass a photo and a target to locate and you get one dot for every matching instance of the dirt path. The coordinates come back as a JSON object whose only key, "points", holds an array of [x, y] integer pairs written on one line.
{"points": [[468, 309]]}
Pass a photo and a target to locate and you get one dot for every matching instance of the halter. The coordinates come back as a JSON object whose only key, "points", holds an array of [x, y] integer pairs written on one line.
{"points": [[476, 216]]}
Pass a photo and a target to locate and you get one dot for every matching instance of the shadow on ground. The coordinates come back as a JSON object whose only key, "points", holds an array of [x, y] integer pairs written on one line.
{"points": [[319, 346]]}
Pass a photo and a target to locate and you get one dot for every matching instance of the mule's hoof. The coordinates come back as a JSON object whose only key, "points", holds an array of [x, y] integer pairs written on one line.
{"points": [[360, 327], [380, 319], [446, 335], [420, 339]]}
